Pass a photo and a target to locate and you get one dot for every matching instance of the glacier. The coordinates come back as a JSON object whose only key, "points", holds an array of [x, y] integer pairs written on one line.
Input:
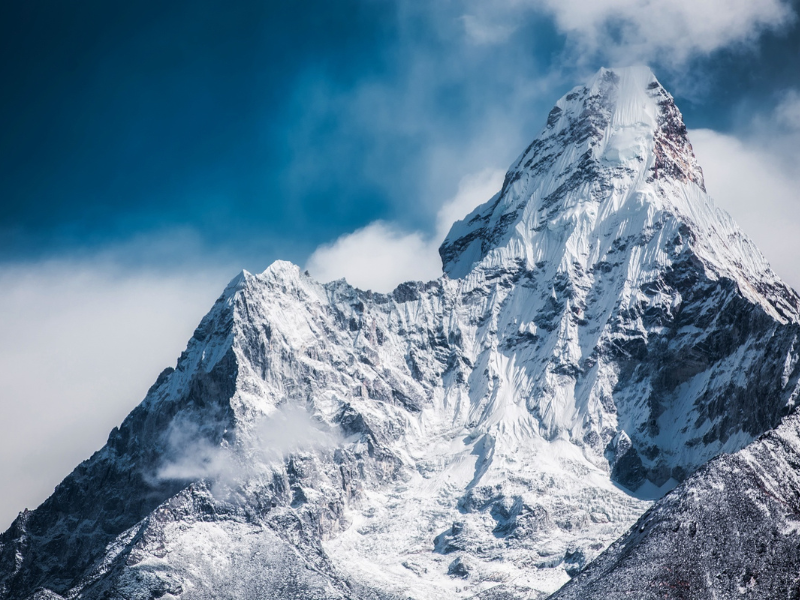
{"points": [[601, 330]]}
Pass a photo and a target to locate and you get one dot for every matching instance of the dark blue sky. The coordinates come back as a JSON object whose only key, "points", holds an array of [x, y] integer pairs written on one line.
{"points": [[259, 130]]}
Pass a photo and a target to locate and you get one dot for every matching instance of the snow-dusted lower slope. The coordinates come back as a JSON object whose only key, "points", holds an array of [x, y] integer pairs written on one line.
{"points": [[603, 330], [732, 530]]}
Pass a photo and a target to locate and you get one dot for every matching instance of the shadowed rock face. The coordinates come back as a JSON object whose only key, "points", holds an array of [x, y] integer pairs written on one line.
{"points": [[729, 531], [604, 330]]}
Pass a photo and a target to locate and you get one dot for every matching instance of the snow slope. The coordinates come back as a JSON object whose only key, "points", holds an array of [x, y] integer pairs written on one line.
{"points": [[602, 330]]}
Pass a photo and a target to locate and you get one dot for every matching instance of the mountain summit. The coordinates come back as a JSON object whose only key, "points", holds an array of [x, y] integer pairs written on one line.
{"points": [[613, 151], [622, 124], [602, 330]]}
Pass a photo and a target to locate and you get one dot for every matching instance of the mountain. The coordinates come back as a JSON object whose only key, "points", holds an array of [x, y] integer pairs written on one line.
{"points": [[729, 531], [602, 330]]}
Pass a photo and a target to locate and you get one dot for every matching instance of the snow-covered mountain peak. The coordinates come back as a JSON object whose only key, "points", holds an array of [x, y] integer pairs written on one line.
{"points": [[604, 330], [609, 147], [613, 100], [635, 116], [612, 163]]}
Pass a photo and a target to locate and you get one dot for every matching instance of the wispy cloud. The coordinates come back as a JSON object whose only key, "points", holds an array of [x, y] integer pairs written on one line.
{"points": [[266, 443], [480, 31], [787, 113], [376, 257]]}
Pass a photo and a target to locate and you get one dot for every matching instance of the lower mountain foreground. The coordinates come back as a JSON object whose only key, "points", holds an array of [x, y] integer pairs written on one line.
{"points": [[732, 530], [601, 332]]}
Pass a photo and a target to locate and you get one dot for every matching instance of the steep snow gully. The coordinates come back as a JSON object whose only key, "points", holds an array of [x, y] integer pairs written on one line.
{"points": [[602, 330]]}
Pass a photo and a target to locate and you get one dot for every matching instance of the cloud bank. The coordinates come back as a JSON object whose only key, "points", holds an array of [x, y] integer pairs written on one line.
{"points": [[80, 343]]}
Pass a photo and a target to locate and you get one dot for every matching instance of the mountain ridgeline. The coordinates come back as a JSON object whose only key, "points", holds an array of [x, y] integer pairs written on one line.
{"points": [[601, 331]]}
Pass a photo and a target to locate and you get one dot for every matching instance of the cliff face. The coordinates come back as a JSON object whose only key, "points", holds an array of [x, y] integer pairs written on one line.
{"points": [[602, 330]]}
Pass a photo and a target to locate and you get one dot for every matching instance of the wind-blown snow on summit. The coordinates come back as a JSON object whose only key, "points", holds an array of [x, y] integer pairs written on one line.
{"points": [[602, 330]]}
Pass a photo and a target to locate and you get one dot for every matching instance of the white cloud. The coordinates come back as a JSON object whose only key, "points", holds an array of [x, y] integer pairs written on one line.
{"points": [[667, 30], [760, 191], [670, 31], [80, 343], [473, 190], [377, 257], [380, 256]]}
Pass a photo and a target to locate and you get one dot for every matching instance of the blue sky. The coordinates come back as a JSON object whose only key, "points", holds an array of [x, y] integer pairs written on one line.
{"points": [[263, 129], [149, 150]]}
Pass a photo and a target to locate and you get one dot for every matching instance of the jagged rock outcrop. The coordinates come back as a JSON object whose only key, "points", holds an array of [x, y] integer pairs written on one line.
{"points": [[602, 331]]}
